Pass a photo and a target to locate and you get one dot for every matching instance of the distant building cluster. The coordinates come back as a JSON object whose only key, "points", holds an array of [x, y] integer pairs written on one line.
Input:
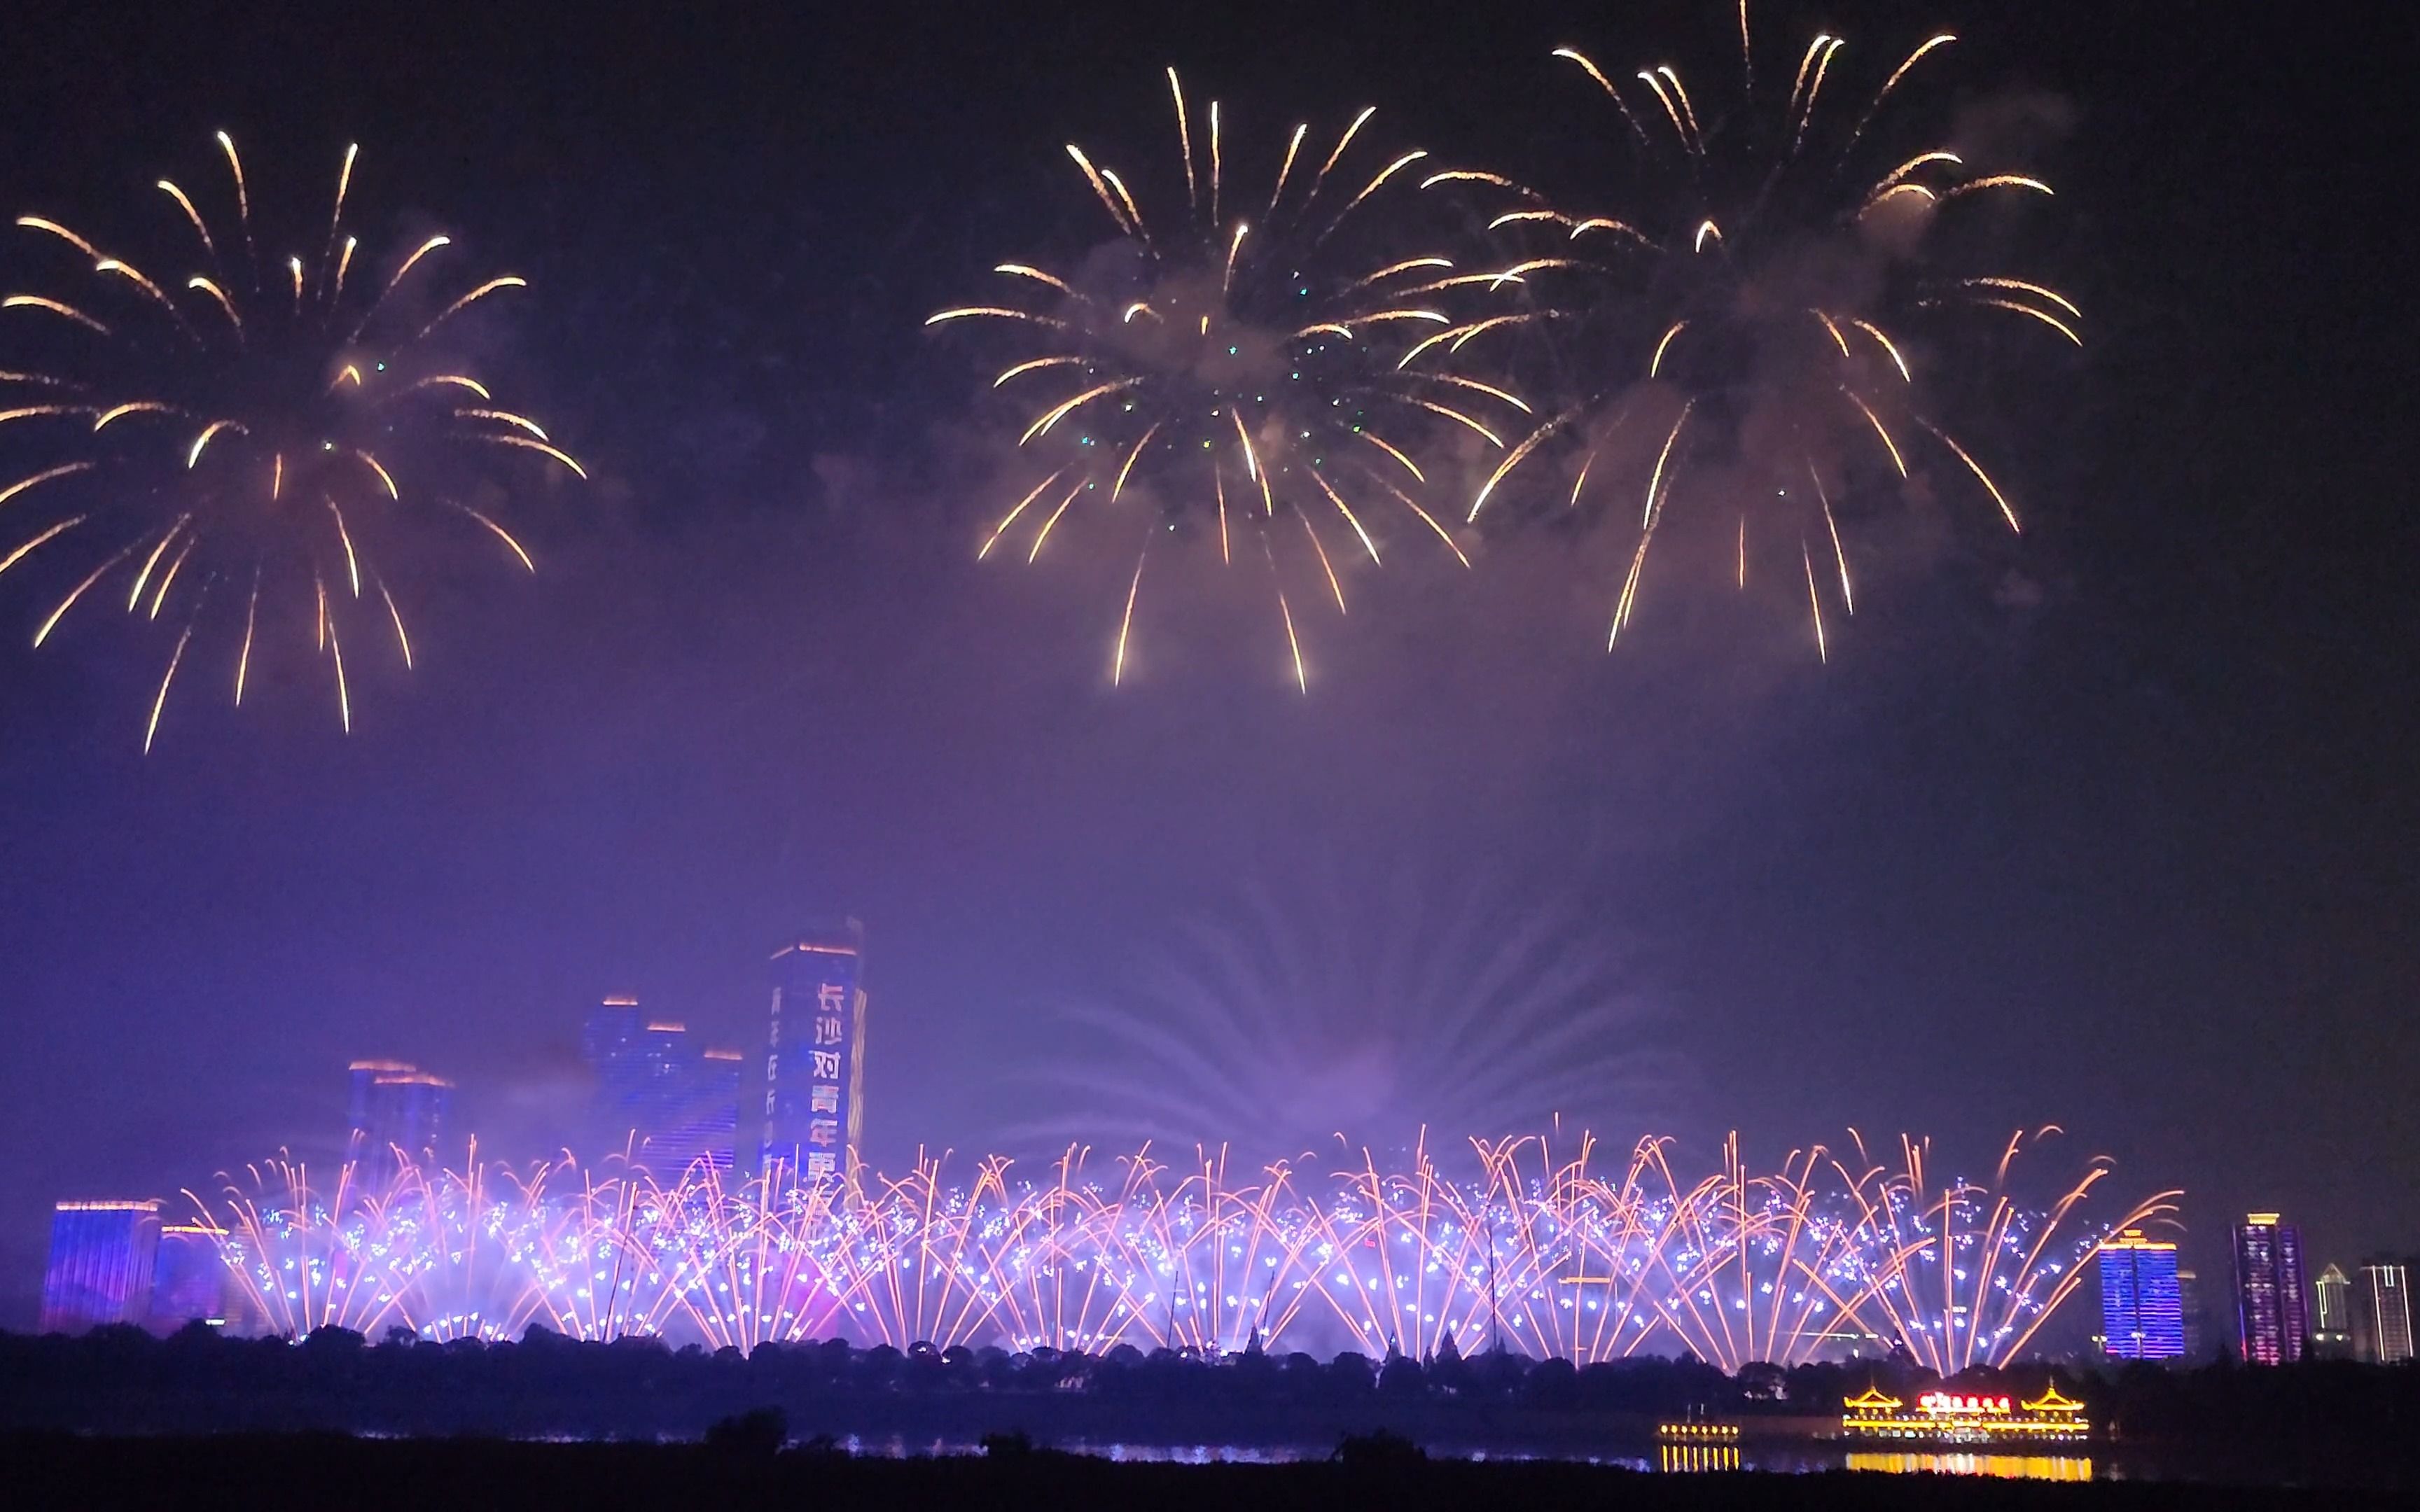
{"points": [[674, 1102], [116, 1262], [2148, 1310], [662, 1098], [394, 1108]]}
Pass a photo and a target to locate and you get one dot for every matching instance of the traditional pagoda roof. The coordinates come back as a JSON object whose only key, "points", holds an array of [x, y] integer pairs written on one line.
{"points": [[2051, 1402], [1872, 1401]]}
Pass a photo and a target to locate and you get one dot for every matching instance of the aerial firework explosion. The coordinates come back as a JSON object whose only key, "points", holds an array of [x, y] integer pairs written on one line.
{"points": [[254, 447], [1739, 323], [1547, 1252], [1244, 368]]}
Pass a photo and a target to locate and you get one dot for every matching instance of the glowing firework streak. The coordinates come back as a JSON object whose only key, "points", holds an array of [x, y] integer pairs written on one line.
{"points": [[1551, 1253], [1203, 348]]}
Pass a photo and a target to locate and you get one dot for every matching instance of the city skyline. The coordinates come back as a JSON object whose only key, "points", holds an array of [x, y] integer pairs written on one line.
{"points": [[2100, 823]]}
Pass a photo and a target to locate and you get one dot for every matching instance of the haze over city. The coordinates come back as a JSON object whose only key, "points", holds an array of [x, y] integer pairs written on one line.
{"points": [[2104, 825]]}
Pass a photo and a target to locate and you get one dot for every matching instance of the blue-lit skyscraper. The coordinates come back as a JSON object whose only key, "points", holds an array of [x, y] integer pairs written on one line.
{"points": [[814, 1053], [100, 1264], [394, 1107], [674, 1101], [2272, 1319], [2142, 1304]]}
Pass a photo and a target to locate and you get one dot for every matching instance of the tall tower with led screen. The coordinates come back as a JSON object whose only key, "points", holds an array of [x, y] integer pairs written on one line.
{"points": [[2272, 1316], [814, 1053], [2142, 1308]]}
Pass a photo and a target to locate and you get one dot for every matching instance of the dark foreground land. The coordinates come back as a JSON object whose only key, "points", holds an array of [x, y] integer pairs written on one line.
{"points": [[313, 1470], [445, 1418]]}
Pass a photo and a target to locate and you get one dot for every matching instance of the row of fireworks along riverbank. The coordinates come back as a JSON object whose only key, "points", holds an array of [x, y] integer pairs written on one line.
{"points": [[1544, 1250]]}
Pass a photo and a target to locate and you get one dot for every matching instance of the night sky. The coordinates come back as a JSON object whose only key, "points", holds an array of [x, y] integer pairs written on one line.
{"points": [[2112, 828]]}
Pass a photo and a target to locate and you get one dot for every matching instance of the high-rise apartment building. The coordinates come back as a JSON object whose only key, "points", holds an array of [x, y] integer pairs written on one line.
{"points": [[671, 1101], [189, 1279], [2381, 1313], [99, 1270], [2196, 1307], [814, 1053], [395, 1106], [2142, 1309], [2273, 1319], [2332, 1324]]}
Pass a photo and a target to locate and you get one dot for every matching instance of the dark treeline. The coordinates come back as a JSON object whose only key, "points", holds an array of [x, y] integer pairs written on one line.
{"points": [[198, 1381]]}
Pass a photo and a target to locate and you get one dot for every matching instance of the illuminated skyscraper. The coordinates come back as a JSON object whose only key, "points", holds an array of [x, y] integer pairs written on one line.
{"points": [[395, 1106], [2142, 1309], [100, 1264], [815, 1053], [2381, 1313], [2332, 1334], [2196, 1310], [674, 1101], [2272, 1319], [189, 1279]]}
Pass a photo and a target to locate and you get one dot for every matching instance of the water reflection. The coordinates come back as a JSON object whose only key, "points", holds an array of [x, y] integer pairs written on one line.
{"points": [[1689, 1457], [1677, 1458], [2005, 1467]]}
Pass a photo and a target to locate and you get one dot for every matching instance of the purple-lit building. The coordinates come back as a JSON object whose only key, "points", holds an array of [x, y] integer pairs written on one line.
{"points": [[393, 1106], [189, 1279], [814, 1053], [671, 1099], [101, 1255], [2272, 1319]]}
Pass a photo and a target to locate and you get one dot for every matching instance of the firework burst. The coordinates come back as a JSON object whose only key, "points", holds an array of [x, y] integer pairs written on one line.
{"points": [[1532, 1242], [247, 450], [1744, 339], [1243, 367]]}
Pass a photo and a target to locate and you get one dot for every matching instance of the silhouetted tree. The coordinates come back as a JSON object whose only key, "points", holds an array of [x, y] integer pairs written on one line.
{"points": [[757, 1434]]}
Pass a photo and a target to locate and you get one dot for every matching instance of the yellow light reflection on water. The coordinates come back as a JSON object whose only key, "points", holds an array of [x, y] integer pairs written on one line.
{"points": [[1699, 1456], [2005, 1467]]}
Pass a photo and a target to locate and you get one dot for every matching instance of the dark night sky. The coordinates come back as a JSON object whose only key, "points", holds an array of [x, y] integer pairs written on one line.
{"points": [[2137, 859]]}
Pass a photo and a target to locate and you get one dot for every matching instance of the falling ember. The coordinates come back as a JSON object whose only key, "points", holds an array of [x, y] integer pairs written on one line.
{"points": [[219, 444], [175, 660], [2007, 513], [1294, 645], [1840, 552], [243, 656], [1125, 622], [396, 614]]}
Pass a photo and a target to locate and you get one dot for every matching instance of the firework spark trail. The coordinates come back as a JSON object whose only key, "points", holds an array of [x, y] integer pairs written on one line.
{"points": [[1551, 1254], [1280, 352], [204, 423], [1764, 221]]}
